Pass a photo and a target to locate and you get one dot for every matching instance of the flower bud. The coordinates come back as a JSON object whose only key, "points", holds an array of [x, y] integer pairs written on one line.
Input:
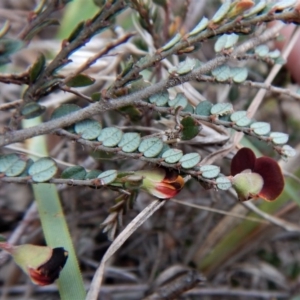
{"points": [[41, 263], [161, 183], [247, 185]]}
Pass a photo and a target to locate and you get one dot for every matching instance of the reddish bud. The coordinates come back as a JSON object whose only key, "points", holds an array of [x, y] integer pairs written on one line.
{"points": [[43, 264], [238, 7], [161, 183]]}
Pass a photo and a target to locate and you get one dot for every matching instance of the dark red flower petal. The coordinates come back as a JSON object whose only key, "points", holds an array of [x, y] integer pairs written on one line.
{"points": [[244, 159], [271, 173]]}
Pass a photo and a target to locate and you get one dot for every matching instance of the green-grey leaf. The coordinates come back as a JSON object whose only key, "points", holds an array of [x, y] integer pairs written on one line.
{"points": [[190, 160], [96, 97], [189, 108], [10, 46], [274, 54], [172, 156], [63, 110], [190, 128], [223, 183], [203, 108], [210, 171], [261, 128], [279, 138], [76, 31], [92, 174], [221, 12], [37, 68], [179, 100], [240, 118], [226, 41], [160, 99], [187, 66], [151, 147], [130, 141], [88, 129], [288, 151], [262, 50], [221, 109], [74, 172], [221, 73], [80, 80], [172, 42], [256, 9], [108, 176], [32, 110], [200, 26], [283, 4], [110, 136], [11, 165], [239, 75], [43, 169]]}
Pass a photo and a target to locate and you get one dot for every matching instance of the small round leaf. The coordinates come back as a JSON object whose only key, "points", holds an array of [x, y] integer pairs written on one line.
{"points": [[240, 118], [210, 171], [239, 75], [221, 73], [223, 183], [37, 68], [262, 50], [32, 110], [11, 165], [160, 99], [274, 54], [75, 172], [43, 169], [179, 100], [200, 26], [110, 136], [187, 66], [80, 80], [203, 108], [190, 128], [279, 138], [189, 108], [288, 151], [172, 42], [151, 147], [130, 141], [226, 41], [92, 174], [172, 156], [261, 128], [64, 110], [221, 12], [256, 9], [88, 129], [108, 177], [221, 109], [190, 160]]}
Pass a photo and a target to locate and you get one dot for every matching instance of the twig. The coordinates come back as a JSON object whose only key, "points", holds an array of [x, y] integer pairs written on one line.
{"points": [[53, 6], [204, 35], [261, 85], [118, 242], [104, 51]]}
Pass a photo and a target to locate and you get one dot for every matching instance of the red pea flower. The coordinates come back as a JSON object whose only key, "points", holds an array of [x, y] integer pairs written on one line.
{"points": [[161, 183], [256, 177]]}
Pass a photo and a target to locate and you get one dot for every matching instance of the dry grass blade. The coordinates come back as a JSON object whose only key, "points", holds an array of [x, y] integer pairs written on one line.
{"points": [[118, 242]]}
